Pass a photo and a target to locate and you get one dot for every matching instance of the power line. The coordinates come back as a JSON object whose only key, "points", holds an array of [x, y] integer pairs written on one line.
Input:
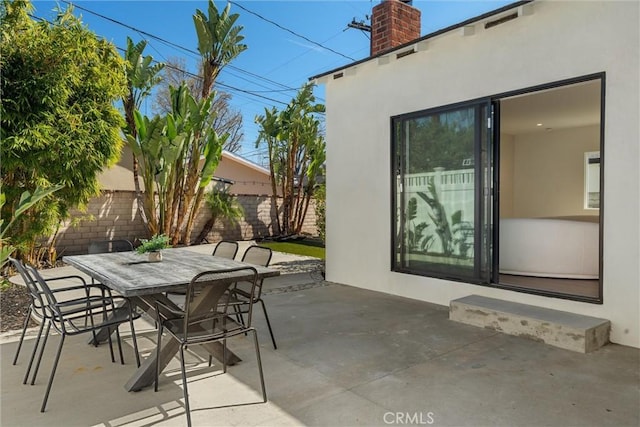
{"points": [[190, 74], [290, 31], [172, 44], [195, 53]]}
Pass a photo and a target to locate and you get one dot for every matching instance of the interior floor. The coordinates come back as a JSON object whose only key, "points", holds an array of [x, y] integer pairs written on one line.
{"points": [[575, 287]]}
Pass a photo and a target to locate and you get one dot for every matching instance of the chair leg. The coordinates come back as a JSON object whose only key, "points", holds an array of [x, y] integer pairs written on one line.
{"points": [[259, 360], [24, 330], [184, 386], [133, 335], [119, 345], [266, 316], [113, 357], [44, 344], [224, 356], [53, 373], [158, 345], [35, 348], [238, 313]]}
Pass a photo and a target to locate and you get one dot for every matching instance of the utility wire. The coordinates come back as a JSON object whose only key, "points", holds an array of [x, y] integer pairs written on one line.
{"points": [[290, 31], [193, 75], [188, 50]]}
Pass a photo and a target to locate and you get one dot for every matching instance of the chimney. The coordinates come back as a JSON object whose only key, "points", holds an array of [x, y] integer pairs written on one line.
{"points": [[393, 23]]}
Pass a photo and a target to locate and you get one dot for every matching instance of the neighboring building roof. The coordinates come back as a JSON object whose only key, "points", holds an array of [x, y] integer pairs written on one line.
{"points": [[245, 176], [427, 37], [234, 157]]}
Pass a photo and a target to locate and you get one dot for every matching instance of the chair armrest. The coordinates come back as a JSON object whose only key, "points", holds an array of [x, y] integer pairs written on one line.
{"points": [[77, 288], [51, 279], [176, 312]]}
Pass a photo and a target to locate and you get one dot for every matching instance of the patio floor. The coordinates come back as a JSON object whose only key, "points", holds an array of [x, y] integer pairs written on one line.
{"points": [[345, 357]]}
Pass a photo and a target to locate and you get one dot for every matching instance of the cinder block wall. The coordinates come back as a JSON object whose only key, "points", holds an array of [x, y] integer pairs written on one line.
{"points": [[114, 215]]}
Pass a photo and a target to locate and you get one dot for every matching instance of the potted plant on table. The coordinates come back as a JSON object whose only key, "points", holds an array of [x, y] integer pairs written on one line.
{"points": [[153, 247]]}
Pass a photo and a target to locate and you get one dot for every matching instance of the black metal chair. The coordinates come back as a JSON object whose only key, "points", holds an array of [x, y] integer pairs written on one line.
{"points": [[37, 309], [242, 298], [196, 324], [78, 315], [226, 249], [108, 246]]}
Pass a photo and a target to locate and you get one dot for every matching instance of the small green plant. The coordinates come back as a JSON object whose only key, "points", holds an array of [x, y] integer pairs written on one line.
{"points": [[153, 244], [320, 195]]}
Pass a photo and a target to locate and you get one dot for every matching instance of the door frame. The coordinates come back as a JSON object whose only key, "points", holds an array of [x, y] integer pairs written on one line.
{"points": [[495, 102]]}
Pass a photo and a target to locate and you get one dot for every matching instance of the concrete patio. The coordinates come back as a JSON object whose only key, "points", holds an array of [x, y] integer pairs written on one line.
{"points": [[345, 357]]}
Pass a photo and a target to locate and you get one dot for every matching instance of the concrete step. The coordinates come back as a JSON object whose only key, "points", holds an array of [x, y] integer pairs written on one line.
{"points": [[558, 328]]}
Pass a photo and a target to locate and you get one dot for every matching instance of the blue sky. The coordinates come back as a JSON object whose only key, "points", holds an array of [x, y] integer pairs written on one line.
{"points": [[288, 41]]}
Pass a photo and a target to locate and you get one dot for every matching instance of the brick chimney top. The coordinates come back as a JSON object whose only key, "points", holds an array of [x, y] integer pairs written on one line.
{"points": [[393, 23]]}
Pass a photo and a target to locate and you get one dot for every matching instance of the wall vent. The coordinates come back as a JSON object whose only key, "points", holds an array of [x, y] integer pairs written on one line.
{"points": [[338, 75], [502, 20], [405, 53]]}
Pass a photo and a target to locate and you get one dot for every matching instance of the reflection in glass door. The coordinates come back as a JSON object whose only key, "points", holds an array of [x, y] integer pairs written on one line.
{"points": [[442, 174]]}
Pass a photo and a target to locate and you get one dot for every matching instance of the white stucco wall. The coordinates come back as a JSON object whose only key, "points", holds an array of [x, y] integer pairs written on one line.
{"points": [[560, 40]]}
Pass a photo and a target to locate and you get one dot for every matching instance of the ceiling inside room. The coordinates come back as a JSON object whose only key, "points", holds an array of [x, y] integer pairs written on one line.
{"points": [[558, 108]]}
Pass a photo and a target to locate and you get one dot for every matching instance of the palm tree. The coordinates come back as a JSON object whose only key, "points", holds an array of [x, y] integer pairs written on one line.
{"points": [[141, 77], [219, 42], [223, 206]]}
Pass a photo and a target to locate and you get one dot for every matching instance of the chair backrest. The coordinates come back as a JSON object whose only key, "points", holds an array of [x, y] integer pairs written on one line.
{"points": [[50, 304], [215, 287], [37, 302], [226, 249], [257, 255], [107, 246]]}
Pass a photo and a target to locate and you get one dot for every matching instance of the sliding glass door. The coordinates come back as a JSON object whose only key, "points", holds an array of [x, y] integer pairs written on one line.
{"points": [[442, 185]]}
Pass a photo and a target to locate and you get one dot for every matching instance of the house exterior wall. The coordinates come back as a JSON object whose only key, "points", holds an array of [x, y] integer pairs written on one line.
{"points": [[559, 40], [248, 178]]}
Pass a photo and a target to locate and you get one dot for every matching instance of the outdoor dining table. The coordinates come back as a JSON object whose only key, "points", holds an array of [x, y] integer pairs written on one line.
{"points": [[143, 283]]}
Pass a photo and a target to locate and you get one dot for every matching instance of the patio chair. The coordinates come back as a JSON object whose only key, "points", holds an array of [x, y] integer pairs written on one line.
{"points": [[76, 316], [242, 299], [37, 311], [194, 325], [110, 246], [226, 249]]}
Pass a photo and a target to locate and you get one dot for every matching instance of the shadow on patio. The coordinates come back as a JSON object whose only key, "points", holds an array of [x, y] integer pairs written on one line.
{"points": [[346, 357]]}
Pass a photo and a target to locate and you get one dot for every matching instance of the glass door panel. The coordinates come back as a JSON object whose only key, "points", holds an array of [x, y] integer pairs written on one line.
{"points": [[442, 200]]}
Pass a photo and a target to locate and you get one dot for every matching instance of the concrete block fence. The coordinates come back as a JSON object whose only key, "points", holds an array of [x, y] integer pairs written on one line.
{"points": [[114, 215]]}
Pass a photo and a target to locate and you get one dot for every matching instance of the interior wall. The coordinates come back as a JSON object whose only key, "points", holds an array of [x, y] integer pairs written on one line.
{"points": [[548, 172], [506, 175]]}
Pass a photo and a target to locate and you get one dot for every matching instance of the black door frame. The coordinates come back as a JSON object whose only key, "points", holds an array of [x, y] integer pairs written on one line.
{"points": [[495, 102]]}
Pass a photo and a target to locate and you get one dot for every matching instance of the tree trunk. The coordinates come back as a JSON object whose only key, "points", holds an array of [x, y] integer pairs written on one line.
{"points": [[129, 107], [192, 216], [208, 226], [188, 191], [274, 190]]}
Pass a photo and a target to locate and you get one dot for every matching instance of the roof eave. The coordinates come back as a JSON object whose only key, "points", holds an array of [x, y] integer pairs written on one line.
{"points": [[426, 37]]}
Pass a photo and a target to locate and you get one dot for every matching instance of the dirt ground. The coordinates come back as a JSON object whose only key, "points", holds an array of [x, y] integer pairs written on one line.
{"points": [[14, 304]]}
